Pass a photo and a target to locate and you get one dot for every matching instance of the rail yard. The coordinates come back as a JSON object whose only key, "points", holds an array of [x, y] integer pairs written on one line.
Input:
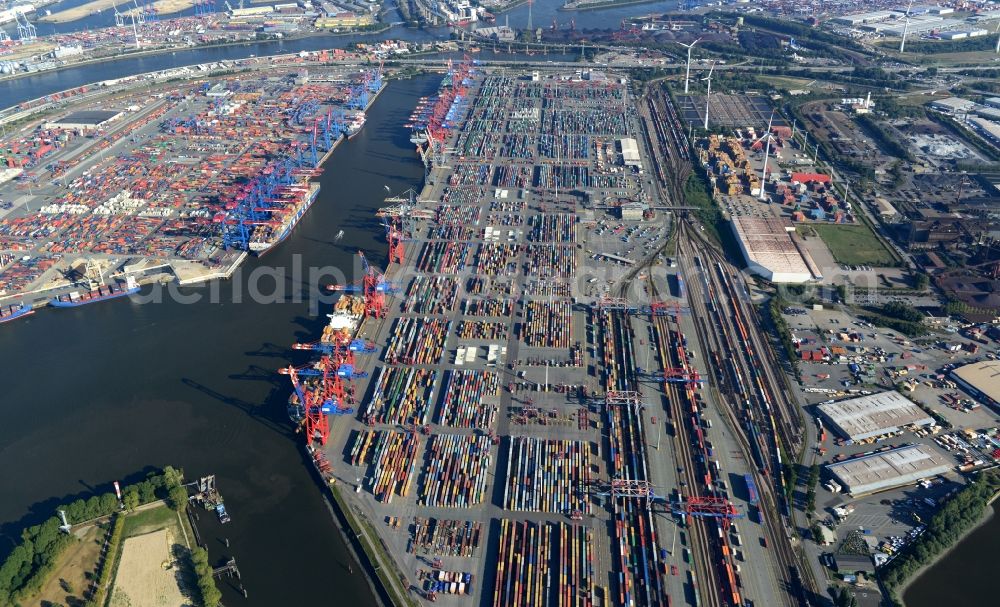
{"points": [[516, 418], [168, 181]]}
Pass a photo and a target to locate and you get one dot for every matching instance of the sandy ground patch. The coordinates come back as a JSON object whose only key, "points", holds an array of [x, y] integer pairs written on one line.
{"points": [[80, 558], [142, 579]]}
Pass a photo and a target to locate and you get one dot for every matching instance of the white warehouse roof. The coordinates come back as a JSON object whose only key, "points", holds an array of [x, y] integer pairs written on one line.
{"points": [[892, 468], [630, 151], [873, 415], [982, 377], [770, 251]]}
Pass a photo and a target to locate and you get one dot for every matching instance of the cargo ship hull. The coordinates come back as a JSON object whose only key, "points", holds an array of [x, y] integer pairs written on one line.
{"points": [[261, 247], [100, 294], [15, 312]]}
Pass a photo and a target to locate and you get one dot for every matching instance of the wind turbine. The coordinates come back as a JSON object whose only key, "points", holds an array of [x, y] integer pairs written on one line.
{"points": [[998, 38], [906, 27], [687, 78], [767, 152], [708, 95]]}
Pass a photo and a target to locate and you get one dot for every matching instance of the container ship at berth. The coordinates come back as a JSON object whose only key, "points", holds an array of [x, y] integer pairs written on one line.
{"points": [[100, 293], [14, 312], [267, 235], [342, 328], [278, 184], [435, 116], [355, 122]]}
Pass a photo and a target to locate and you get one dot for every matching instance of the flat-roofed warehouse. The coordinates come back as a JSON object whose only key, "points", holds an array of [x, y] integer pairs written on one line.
{"points": [[888, 469], [873, 415], [771, 252], [84, 120], [630, 152], [981, 380], [859, 18]]}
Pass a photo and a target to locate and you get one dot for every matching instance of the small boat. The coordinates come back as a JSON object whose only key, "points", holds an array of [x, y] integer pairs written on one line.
{"points": [[339, 235], [13, 312], [220, 511]]}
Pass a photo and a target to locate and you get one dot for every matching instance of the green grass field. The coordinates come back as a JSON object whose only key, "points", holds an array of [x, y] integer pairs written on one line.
{"points": [[154, 519], [854, 245]]}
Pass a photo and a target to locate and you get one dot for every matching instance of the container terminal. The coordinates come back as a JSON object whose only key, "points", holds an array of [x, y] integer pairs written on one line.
{"points": [[506, 406], [166, 182]]}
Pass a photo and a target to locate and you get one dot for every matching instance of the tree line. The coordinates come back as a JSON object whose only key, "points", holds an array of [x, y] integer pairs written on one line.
{"points": [[898, 316], [959, 514], [29, 564]]}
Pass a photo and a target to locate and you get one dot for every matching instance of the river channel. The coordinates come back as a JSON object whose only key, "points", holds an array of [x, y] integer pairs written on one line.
{"points": [[966, 576], [95, 393]]}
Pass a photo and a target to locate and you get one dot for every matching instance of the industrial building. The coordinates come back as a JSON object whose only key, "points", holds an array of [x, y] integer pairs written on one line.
{"points": [[886, 211], [987, 128], [84, 120], [982, 380], [632, 211], [874, 415], [770, 250], [888, 469], [952, 105], [925, 24], [630, 153], [862, 18], [344, 19]]}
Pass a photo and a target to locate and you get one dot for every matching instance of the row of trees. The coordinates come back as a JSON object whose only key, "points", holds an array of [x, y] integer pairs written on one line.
{"points": [[210, 595], [958, 515], [811, 489], [29, 564], [109, 563], [773, 309], [898, 316]]}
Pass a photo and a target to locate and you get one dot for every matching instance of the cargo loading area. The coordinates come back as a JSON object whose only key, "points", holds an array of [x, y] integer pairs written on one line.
{"points": [[487, 357], [498, 432], [168, 181]]}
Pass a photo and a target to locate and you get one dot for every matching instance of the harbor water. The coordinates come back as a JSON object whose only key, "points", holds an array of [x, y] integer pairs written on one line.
{"points": [[96, 393], [965, 576]]}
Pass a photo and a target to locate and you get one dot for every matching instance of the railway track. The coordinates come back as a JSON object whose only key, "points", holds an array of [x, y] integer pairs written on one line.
{"points": [[713, 575], [753, 394], [746, 400], [665, 137], [697, 534]]}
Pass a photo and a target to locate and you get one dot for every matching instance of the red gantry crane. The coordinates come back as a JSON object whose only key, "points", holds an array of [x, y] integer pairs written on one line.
{"points": [[374, 287]]}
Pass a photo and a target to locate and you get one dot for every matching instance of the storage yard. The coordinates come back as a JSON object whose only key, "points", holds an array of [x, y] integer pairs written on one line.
{"points": [[170, 182], [501, 399]]}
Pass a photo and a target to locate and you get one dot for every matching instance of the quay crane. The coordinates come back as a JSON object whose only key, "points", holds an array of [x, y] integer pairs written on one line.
{"points": [[396, 236], [360, 95], [358, 346], [341, 356], [375, 288], [318, 405]]}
